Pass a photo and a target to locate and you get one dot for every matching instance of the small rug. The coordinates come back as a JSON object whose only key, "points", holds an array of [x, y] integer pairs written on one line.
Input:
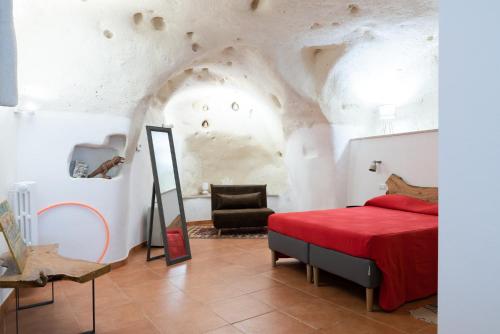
{"points": [[427, 313], [210, 232]]}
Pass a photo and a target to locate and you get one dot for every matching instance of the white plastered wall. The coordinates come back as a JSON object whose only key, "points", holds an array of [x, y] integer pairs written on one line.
{"points": [[46, 141], [412, 156], [469, 224]]}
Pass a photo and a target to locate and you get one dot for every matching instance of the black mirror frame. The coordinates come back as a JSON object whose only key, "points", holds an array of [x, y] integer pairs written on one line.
{"points": [[157, 194]]}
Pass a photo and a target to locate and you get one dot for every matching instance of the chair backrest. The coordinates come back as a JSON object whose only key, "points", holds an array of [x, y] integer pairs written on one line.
{"points": [[238, 190]]}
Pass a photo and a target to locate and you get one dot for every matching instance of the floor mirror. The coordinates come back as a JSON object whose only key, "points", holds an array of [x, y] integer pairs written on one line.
{"points": [[166, 198]]}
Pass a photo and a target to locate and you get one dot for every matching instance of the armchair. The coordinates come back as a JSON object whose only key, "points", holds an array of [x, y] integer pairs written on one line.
{"points": [[239, 206]]}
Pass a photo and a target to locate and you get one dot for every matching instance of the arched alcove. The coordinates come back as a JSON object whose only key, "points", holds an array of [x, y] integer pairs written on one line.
{"points": [[236, 121], [227, 135]]}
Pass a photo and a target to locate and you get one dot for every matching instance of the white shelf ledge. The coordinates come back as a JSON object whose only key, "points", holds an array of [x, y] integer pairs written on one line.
{"points": [[209, 196]]}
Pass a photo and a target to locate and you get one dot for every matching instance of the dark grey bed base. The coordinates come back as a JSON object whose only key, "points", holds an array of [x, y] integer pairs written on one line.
{"points": [[356, 269], [282, 244], [361, 271]]}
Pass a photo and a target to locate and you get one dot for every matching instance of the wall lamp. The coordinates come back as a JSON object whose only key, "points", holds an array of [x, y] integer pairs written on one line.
{"points": [[373, 165]]}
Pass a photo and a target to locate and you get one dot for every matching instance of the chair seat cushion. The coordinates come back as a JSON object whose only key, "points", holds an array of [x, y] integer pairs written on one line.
{"points": [[241, 217]]}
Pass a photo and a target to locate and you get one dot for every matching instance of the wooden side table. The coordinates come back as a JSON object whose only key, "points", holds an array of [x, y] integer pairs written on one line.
{"points": [[44, 265]]}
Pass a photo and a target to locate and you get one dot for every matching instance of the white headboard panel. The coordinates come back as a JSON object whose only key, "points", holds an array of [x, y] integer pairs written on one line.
{"points": [[413, 156]]}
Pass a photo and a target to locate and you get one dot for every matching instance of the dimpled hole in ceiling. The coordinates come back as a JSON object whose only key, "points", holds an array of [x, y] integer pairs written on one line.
{"points": [[325, 61]]}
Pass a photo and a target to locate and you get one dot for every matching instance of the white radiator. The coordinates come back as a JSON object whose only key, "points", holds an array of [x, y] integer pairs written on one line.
{"points": [[22, 199]]}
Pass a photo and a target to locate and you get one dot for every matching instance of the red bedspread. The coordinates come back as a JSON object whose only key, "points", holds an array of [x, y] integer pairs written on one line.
{"points": [[403, 244]]}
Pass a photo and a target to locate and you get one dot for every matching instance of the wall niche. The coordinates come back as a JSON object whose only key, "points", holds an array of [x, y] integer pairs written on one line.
{"points": [[87, 157]]}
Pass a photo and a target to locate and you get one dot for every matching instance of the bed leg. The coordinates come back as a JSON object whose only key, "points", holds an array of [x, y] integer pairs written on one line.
{"points": [[309, 273], [369, 299], [274, 258], [316, 276], [219, 232]]}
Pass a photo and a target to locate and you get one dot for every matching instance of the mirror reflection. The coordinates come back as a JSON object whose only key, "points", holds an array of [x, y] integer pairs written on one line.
{"points": [[169, 200]]}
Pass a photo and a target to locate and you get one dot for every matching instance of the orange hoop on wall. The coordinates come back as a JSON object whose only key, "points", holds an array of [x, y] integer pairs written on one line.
{"points": [[94, 210]]}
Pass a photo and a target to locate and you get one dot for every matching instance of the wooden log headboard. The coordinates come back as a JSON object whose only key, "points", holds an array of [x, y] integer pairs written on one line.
{"points": [[396, 185]]}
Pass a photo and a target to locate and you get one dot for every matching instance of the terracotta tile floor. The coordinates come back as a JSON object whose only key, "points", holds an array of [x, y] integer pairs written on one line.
{"points": [[228, 287]]}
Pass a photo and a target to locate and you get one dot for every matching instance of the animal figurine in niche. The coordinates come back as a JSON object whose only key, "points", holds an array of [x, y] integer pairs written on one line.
{"points": [[106, 166]]}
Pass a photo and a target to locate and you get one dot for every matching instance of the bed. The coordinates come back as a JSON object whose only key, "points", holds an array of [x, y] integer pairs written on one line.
{"points": [[390, 243]]}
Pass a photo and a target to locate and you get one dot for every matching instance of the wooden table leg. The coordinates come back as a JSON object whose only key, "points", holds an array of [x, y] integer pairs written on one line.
{"points": [[20, 307], [93, 310]]}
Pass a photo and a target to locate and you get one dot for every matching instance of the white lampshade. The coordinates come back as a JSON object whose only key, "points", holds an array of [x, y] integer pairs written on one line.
{"points": [[8, 56], [387, 112]]}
